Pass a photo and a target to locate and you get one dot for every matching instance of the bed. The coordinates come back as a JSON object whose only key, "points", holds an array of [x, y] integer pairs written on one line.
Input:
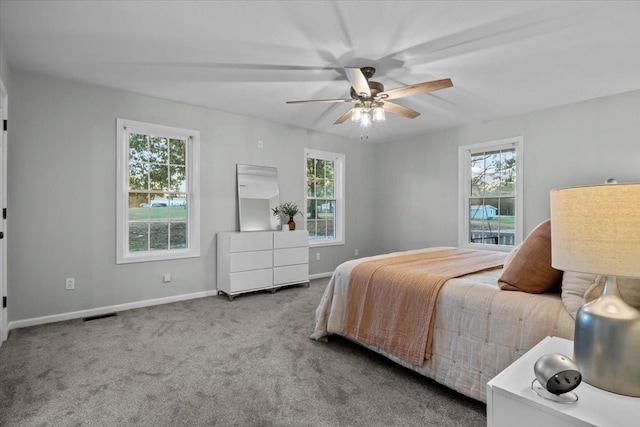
{"points": [[477, 328]]}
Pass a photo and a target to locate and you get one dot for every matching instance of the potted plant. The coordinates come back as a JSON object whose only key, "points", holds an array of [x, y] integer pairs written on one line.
{"points": [[287, 210]]}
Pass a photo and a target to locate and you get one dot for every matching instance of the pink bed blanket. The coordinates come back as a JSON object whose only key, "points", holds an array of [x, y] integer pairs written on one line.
{"points": [[391, 302]]}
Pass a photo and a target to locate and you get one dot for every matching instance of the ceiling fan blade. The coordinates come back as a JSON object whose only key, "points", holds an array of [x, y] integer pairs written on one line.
{"points": [[358, 81], [400, 110], [343, 118], [321, 100], [415, 89]]}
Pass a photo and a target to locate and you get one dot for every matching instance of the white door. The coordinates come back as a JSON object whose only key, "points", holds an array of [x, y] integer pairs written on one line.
{"points": [[3, 203]]}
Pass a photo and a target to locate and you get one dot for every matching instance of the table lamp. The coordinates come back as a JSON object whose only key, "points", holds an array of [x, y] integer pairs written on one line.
{"points": [[596, 229]]}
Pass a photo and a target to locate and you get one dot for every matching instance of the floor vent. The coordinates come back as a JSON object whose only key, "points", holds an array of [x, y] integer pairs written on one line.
{"points": [[99, 316]]}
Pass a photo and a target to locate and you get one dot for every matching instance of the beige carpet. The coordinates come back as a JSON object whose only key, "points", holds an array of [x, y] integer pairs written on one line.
{"points": [[212, 362]]}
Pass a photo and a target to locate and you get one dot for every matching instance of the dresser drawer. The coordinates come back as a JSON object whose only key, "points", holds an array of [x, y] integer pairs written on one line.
{"points": [[291, 256], [250, 241], [250, 280], [291, 274], [242, 261], [290, 239]]}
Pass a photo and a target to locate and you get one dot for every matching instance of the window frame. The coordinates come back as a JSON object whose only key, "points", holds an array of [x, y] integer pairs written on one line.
{"points": [[464, 191], [339, 160], [124, 128]]}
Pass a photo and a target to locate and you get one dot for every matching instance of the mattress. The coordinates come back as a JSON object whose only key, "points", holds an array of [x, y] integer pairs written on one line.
{"points": [[479, 329]]}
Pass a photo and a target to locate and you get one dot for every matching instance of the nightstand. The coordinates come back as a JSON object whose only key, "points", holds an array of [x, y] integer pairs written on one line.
{"points": [[511, 402]]}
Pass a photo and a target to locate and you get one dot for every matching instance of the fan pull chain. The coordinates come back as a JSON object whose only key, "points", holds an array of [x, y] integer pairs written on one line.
{"points": [[364, 132]]}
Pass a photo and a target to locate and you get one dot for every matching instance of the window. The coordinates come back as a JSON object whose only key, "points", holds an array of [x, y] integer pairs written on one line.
{"points": [[490, 188], [324, 197], [158, 214]]}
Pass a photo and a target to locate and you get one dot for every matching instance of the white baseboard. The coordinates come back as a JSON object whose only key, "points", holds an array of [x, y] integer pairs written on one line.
{"points": [[15, 324], [320, 275]]}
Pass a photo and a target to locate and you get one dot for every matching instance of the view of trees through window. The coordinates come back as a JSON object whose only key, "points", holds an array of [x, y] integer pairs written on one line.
{"points": [[157, 193], [493, 197], [321, 202]]}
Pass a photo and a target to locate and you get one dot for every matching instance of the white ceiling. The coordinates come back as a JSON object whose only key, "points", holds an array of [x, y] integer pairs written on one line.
{"points": [[249, 57]]}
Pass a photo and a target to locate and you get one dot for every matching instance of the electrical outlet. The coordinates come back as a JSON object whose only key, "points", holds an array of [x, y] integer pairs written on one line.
{"points": [[317, 256], [260, 143], [166, 278], [356, 252], [70, 283]]}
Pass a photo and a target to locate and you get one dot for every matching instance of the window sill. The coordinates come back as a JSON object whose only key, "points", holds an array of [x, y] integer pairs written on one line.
{"points": [[156, 256], [495, 248], [316, 244]]}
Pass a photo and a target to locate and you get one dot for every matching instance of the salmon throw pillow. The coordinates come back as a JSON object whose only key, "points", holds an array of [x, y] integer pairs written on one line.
{"points": [[530, 268]]}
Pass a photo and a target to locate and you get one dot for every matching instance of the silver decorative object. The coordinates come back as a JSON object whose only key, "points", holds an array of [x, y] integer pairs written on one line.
{"points": [[607, 342]]}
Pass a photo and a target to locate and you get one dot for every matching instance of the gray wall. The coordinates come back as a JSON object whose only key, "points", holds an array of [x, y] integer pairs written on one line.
{"points": [[399, 195], [578, 144], [62, 175]]}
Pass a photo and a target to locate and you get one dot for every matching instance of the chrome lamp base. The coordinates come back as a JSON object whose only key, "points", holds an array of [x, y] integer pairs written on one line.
{"points": [[607, 342]]}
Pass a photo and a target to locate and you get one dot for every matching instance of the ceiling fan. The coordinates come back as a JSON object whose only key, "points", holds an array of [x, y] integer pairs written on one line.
{"points": [[370, 96]]}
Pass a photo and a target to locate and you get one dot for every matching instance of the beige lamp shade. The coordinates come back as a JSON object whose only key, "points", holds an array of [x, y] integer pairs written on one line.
{"points": [[596, 229]]}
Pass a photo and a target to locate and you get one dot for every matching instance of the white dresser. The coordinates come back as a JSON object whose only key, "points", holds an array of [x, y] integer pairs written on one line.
{"points": [[257, 260]]}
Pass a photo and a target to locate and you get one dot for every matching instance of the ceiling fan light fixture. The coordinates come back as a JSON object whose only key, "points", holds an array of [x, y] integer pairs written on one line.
{"points": [[356, 114], [366, 119], [367, 114], [378, 114]]}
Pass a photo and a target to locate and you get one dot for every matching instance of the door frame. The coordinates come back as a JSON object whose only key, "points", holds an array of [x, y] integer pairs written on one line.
{"points": [[4, 330]]}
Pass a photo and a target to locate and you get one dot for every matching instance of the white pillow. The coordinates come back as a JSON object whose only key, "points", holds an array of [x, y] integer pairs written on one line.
{"points": [[580, 288], [574, 287], [629, 290]]}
